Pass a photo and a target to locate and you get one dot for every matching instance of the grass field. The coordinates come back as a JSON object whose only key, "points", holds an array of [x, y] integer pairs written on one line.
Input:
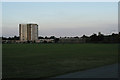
{"points": [[46, 60]]}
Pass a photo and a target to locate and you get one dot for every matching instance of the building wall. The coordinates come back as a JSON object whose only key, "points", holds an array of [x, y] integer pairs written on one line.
{"points": [[23, 32], [28, 32], [71, 40], [34, 32]]}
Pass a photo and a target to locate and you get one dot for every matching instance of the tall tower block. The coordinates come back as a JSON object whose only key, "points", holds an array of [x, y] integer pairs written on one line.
{"points": [[28, 32]]}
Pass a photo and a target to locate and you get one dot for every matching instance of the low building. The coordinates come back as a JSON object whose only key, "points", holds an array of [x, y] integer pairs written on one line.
{"points": [[45, 41], [71, 40], [11, 41]]}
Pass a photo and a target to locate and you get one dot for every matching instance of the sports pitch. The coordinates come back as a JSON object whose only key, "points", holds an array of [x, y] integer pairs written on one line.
{"points": [[48, 60]]}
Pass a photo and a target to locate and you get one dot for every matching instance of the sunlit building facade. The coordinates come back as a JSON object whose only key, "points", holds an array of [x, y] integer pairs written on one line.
{"points": [[28, 32]]}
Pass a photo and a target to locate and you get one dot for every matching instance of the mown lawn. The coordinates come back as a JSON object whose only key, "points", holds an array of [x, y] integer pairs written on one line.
{"points": [[48, 60]]}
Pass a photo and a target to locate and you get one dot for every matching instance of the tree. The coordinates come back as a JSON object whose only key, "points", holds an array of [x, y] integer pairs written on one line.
{"points": [[100, 37], [4, 38], [76, 37], [15, 38], [84, 36], [46, 37], [94, 38], [52, 37], [56, 40], [40, 37]]}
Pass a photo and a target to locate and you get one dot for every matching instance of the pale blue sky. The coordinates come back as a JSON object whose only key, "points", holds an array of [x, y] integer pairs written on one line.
{"points": [[61, 18]]}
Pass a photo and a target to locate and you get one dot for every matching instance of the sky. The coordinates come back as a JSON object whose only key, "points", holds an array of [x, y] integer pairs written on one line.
{"points": [[61, 18]]}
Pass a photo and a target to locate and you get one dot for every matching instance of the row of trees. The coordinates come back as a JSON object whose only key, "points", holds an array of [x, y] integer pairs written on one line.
{"points": [[17, 38], [101, 38], [11, 38], [94, 38]]}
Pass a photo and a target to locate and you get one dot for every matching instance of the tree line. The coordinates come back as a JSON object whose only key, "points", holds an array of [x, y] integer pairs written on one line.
{"points": [[101, 38], [94, 38]]}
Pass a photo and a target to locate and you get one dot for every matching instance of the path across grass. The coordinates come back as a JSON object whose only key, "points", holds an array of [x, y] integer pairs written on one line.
{"points": [[109, 71], [48, 60]]}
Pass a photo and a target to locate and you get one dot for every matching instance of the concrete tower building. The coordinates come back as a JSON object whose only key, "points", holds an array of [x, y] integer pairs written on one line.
{"points": [[28, 32]]}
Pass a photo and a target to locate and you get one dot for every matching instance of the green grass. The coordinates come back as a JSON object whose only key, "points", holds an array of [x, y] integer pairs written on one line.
{"points": [[46, 60]]}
